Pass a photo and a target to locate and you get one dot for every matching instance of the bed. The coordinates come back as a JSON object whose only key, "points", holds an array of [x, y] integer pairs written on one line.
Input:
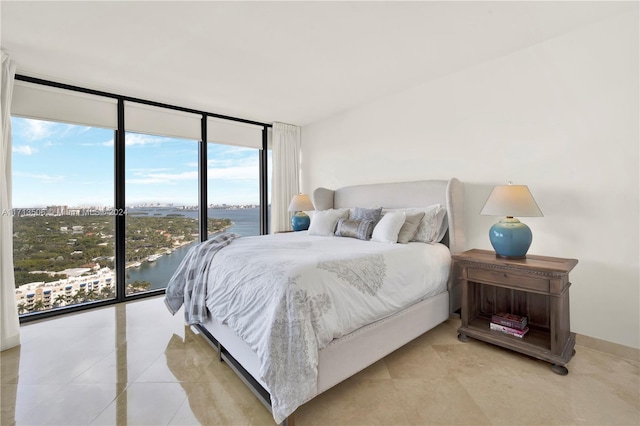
{"points": [[316, 308]]}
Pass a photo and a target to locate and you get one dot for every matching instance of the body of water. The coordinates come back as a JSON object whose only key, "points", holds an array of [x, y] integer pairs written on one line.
{"points": [[246, 222]]}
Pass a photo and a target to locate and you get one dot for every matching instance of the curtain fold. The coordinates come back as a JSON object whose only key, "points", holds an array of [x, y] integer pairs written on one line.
{"points": [[9, 324], [285, 178]]}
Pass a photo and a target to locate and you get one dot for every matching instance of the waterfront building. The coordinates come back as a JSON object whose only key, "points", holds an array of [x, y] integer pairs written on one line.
{"points": [[48, 295]]}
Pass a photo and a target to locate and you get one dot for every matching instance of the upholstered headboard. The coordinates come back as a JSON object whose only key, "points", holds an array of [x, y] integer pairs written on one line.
{"points": [[421, 193]]}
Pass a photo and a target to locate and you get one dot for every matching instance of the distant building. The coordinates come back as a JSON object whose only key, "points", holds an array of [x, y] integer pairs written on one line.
{"points": [[29, 294]]}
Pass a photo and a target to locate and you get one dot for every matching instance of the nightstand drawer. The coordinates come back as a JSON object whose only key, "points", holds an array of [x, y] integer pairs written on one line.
{"points": [[511, 280]]}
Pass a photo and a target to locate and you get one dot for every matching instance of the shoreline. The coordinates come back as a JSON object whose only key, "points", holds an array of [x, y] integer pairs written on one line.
{"points": [[100, 278], [168, 251], [96, 280]]}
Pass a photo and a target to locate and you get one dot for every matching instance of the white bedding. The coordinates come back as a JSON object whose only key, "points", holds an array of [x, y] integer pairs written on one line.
{"points": [[288, 295]]}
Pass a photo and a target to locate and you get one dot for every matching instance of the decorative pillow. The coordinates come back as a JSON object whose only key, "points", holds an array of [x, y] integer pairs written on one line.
{"points": [[444, 225], [410, 227], [360, 229], [386, 231], [433, 224], [430, 225], [324, 222], [360, 213]]}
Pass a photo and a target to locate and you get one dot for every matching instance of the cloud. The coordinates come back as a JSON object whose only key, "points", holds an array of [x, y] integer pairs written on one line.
{"points": [[234, 173], [38, 130], [137, 139], [155, 176], [143, 171], [233, 156], [42, 177], [24, 149], [244, 165], [108, 143], [132, 139], [163, 178], [224, 163]]}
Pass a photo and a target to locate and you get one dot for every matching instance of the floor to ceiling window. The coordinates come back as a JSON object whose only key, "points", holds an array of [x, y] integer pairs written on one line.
{"points": [[161, 190], [233, 189], [108, 193], [233, 176], [63, 216], [62, 197], [162, 208]]}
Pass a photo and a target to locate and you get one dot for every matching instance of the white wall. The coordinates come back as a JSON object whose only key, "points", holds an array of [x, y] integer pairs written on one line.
{"points": [[561, 117]]}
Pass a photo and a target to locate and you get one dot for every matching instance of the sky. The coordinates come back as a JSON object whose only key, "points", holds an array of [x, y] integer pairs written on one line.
{"points": [[72, 165]]}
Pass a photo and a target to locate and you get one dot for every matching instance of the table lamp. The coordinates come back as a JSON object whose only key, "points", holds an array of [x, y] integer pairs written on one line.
{"points": [[509, 237], [299, 204]]}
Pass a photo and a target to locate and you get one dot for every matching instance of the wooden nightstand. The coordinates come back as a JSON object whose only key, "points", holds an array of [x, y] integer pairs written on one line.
{"points": [[536, 287]]}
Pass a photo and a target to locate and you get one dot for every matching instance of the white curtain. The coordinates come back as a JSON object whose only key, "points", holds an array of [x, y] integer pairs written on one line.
{"points": [[285, 178], [10, 326]]}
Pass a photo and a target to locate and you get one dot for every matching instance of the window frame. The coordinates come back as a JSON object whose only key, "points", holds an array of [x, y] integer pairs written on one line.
{"points": [[119, 189]]}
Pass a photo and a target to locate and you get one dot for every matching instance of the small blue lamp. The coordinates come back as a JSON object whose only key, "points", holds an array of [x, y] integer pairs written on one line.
{"points": [[299, 204], [509, 237]]}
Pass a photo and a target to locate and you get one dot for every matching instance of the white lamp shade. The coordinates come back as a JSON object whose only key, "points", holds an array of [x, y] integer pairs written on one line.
{"points": [[511, 200], [300, 203]]}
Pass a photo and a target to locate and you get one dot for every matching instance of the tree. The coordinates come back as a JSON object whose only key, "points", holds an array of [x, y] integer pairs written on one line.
{"points": [[80, 296], [92, 294], [59, 300], [138, 286], [106, 292], [38, 305], [22, 308]]}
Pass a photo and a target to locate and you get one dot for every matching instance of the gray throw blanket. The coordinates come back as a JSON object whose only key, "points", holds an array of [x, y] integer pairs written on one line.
{"points": [[187, 285]]}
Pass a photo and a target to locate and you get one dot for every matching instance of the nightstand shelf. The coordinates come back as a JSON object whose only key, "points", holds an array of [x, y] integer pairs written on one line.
{"points": [[532, 342], [536, 287]]}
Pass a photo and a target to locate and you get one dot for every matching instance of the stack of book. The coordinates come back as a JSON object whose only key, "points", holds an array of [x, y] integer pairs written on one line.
{"points": [[514, 325]]}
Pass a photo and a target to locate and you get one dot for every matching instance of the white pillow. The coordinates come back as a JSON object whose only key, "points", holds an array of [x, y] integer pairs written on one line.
{"points": [[324, 222], [444, 223], [387, 230], [433, 225], [410, 227]]}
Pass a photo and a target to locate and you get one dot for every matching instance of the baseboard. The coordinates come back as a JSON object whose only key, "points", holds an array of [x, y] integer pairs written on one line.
{"points": [[616, 349]]}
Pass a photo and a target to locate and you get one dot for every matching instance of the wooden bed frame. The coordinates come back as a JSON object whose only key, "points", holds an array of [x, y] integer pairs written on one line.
{"points": [[346, 356]]}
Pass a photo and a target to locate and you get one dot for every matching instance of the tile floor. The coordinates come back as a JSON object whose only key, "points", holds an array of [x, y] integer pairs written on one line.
{"points": [[135, 364]]}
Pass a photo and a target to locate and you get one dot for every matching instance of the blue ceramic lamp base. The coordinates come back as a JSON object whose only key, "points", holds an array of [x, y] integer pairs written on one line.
{"points": [[510, 238], [300, 221]]}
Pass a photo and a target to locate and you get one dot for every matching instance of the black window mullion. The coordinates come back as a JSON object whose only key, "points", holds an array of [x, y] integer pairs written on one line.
{"points": [[120, 205], [202, 177], [264, 199]]}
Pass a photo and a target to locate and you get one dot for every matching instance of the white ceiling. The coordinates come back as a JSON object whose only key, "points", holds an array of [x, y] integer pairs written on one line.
{"points": [[294, 62]]}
